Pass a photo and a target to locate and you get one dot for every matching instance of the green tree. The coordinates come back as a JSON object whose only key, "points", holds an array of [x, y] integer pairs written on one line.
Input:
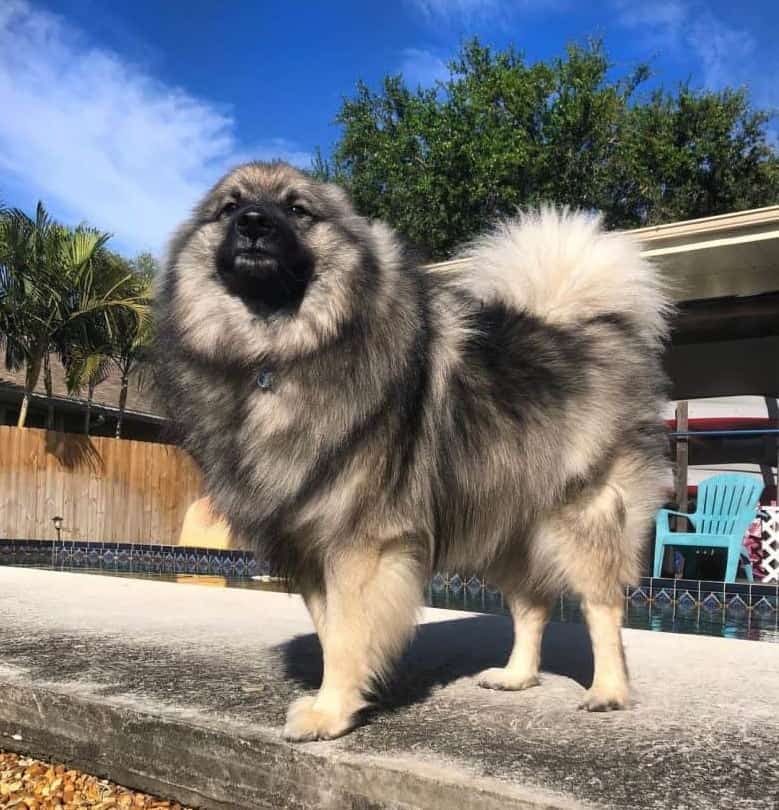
{"points": [[53, 297], [441, 164]]}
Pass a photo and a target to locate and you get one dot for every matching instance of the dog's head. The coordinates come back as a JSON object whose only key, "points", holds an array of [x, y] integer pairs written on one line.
{"points": [[272, 262]]}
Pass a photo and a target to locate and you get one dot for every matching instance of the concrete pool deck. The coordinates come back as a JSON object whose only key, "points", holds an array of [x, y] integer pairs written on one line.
{"points": [[181, 690]]}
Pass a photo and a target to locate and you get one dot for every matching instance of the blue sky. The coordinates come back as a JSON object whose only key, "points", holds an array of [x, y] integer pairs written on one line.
{"points": [[122, 113]]}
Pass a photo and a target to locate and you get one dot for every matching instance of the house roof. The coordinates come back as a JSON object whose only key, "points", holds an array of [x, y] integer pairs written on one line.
{"points": [[139, 400]]}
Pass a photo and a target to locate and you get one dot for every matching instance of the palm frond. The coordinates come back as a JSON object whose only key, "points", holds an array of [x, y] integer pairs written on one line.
{"points": [[86, 370]]}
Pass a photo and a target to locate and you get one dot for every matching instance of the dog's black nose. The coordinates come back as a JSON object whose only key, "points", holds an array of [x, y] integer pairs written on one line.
{"points": [[253, 223]]}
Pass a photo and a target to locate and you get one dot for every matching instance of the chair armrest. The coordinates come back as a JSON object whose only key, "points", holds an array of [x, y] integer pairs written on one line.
{"points": [[679, 514], [665, 514]]}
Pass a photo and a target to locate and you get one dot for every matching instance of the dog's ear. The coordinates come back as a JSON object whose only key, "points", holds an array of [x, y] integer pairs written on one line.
{"points": [[337, 195]]}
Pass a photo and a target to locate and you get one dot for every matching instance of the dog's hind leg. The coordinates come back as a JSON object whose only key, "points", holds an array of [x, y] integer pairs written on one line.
{"points": [[530, 614], [609, 688], [371, 599], [594, 559], [596, 552]]}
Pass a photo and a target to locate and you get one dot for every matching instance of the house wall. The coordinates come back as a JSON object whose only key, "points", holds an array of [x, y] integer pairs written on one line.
{"points": [[105, 489]]}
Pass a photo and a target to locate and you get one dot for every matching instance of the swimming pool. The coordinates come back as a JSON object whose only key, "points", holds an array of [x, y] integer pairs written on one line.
{"points": [[680, 606]]}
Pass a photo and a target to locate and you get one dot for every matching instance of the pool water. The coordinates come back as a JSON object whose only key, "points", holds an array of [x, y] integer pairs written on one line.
{"points": [[757, 624], [658, 613]]}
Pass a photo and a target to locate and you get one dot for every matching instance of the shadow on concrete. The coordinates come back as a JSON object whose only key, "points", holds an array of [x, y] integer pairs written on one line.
{"points": [[443, 652]]}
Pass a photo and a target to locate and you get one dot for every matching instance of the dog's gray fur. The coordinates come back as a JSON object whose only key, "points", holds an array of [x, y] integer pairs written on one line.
{"points": [[500, 417]]}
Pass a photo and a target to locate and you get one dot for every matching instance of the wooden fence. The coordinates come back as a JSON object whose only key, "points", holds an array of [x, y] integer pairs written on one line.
{"points": [[104, 489]]}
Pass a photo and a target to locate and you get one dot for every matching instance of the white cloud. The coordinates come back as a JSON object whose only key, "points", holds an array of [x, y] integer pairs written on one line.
{"points": [[728, 56], [470, 11], [658, 28], [100, 139], [676, 26], [731, 57], [663, 13], [458, 8], [420, 67]]}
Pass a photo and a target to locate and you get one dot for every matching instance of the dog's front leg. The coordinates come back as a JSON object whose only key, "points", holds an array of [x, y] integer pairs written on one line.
{"points": [[370, 604]]}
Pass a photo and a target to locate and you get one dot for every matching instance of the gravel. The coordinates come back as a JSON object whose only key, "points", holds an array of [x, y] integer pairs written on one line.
{"points": [[30, 784]]}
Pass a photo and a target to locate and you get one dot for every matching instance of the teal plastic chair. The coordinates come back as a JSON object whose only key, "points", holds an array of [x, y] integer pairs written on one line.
{"points": [[725, 507]]}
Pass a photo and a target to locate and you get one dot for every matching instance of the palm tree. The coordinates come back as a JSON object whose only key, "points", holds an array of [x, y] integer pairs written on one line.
{"points": [[117, 339], [27, 256], [53, 296], [133, 336], [87, 369]]}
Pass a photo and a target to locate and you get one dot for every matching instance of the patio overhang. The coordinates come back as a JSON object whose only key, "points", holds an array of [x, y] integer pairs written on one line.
{"points": [[731, 255], [724, 274]]}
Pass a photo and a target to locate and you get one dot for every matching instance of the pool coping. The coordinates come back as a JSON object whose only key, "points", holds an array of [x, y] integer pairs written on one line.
{"points": [[210, 765]]}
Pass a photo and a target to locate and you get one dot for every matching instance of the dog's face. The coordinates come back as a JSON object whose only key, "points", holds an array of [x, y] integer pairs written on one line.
{"points": [[272, 262], [269, 223]]}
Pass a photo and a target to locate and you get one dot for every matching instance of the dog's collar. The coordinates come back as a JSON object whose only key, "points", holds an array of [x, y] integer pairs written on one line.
{"points": [[265, 379]]}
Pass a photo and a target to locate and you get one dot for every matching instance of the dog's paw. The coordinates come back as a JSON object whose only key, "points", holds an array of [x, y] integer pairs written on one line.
{"points": [[605, 700], [305, 722], [506, 679]]}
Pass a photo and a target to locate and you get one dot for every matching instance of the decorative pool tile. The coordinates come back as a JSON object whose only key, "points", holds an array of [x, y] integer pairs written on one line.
{"points": [[663, 595], [131, 557], [712, 601], [686, 600]]}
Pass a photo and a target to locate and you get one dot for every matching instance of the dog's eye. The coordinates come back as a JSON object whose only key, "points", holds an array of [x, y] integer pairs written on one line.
{"points": [[298, 210], [228, 208]]}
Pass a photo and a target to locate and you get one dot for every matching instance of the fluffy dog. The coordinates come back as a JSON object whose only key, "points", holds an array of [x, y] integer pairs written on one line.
{"points": [[365, 420]]}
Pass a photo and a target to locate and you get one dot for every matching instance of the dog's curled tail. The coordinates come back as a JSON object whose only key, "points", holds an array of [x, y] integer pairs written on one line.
{"points": [[562, 266]]}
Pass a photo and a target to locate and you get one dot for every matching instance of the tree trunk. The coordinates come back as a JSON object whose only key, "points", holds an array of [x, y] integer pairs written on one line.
{"points": [[49, 391], [30, 381], [23, 410], [88, 414], [122, 405]]}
